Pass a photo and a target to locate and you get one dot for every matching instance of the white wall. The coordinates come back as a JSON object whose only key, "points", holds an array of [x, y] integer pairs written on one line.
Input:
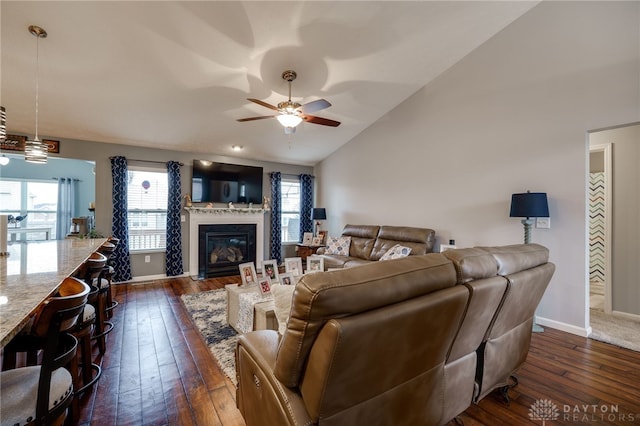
{"points": [[509, 117], [625, 244]]}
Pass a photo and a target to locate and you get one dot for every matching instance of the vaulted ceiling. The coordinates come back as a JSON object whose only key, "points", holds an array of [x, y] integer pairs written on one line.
{"points": [[177, 75]]}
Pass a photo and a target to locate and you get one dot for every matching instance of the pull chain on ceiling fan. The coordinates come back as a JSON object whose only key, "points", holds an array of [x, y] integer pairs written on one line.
{"points": [[291, 114]]}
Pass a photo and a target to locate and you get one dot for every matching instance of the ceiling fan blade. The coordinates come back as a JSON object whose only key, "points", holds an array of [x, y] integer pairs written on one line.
{"points": [[255, 118], [320, 120], [264, 104], [314, 106]]}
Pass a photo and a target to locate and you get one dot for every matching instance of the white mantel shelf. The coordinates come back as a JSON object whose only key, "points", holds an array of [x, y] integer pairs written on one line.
{"points": [[223, 215], [225, 210]]}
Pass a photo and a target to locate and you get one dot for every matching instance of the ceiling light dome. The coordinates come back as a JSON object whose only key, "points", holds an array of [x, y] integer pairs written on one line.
{"points": [[289, 120]]}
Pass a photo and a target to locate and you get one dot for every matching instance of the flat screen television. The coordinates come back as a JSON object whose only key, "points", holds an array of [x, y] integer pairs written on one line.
{"points": [[223, 183]]}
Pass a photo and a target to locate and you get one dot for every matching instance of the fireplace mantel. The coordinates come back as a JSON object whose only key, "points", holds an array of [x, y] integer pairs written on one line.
{"points": [[211, 216], [225, 211]]}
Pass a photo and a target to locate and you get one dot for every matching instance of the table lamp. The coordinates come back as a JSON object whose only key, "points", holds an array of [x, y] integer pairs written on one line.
{"points": [[318, 214], [529, 205]]}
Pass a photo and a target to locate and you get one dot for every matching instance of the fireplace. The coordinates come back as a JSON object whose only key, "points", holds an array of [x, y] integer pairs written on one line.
{"points": [[222, 247], [201, 216]]}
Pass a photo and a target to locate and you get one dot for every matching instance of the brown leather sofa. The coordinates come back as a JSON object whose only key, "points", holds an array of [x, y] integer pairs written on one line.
{"points": [[370, 242], [412, 341]]}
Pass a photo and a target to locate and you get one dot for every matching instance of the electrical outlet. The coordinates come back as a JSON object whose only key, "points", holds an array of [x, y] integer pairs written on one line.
{"points": [[147, 259], [543, 222], [183, 218]]}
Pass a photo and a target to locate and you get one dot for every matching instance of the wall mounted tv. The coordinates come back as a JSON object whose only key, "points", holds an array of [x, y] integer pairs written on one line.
{"points": [[223, 183]]}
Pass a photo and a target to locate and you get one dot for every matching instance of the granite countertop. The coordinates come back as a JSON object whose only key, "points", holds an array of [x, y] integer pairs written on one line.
{"points": [[31, 273]]}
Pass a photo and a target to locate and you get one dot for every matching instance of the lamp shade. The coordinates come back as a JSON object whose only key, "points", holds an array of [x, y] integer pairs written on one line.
{"points": [[529, 204], [319, 214]]}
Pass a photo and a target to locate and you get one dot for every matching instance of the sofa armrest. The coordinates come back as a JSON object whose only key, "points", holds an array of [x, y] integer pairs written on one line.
{"points": [[261, 398], [321, 250]]}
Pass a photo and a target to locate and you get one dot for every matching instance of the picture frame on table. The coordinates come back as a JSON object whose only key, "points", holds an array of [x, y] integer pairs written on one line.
{"points": [[307, 238], [270, 269], [248, 273], [317, 241], [323, 236], [293, 265], [287, 279], [264, 284], [315, 264], [445, 247]]}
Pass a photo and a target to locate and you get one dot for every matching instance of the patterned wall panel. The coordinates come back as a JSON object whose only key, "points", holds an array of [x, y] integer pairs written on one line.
{"points": [[596, 227]]}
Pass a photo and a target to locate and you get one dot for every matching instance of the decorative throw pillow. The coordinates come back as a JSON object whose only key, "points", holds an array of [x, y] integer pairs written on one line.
{"points": [[338, 245], [396, 252], [282, 298]]}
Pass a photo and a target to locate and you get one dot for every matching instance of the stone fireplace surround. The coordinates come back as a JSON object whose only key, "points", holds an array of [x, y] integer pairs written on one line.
{"points": [[213, 216]]}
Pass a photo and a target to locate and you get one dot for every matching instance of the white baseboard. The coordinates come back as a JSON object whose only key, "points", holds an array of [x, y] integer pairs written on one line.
{"points": [[626, 315], [146, 278], [562, 326]]}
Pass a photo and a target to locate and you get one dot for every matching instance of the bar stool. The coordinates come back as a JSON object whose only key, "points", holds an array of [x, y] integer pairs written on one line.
{"points": [[91, 271], [42, 394], [91, 372]]}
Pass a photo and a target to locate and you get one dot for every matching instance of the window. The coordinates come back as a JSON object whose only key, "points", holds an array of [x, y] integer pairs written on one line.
{"points": [[37, 199], [147, 195], [290, 216]]}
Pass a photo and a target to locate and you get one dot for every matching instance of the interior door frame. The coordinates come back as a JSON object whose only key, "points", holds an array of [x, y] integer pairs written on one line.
{"points": [[606, 149]]}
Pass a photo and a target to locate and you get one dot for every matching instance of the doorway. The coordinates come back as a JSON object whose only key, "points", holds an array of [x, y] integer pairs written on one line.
{"points": [[614, 235]]}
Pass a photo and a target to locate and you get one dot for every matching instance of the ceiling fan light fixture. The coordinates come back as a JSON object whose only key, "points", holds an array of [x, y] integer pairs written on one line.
{"points": [[289, 120]]}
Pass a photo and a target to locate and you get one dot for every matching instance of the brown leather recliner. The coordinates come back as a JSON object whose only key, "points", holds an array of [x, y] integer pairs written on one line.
{"points": [[506, 343], [390, 343]]}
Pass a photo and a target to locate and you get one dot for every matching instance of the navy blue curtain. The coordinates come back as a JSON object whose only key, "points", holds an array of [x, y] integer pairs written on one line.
{"points": [[306, 204], [174, 228], [276, 225], [120, 226]]}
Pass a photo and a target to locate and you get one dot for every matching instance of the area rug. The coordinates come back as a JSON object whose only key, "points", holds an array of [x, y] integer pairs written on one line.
{"points": [[616, 330], [208, 311]]}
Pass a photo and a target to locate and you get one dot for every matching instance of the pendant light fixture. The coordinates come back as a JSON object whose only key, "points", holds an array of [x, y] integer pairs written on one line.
{"points": [[35, 151], [3, 124]]}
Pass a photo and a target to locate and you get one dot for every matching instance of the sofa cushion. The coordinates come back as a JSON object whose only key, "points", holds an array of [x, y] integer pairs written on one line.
{"points": [[363, 238], [338, 245], [419, 240], [472, 264], [396, 252], [518, 257]]}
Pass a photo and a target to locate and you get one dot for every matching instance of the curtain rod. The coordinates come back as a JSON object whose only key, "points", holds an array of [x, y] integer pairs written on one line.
{"points": [[145, 161]]}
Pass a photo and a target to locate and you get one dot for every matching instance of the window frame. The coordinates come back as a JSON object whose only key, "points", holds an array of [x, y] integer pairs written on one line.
{"points": [[295, 180], [24, 203], [151, 169]]}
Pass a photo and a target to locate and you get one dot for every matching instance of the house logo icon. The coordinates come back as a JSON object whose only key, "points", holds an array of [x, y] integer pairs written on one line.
{"points": [[543, 409]]}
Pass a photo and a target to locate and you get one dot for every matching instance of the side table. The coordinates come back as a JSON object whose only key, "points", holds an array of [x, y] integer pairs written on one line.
{"points": [[306, 251]]}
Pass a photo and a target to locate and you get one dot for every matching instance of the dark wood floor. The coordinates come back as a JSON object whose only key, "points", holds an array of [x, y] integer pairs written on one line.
{"points": [[158, 371]]}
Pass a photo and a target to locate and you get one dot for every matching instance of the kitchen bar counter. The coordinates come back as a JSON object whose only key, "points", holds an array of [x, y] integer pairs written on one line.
{"points": [[31, 273]]}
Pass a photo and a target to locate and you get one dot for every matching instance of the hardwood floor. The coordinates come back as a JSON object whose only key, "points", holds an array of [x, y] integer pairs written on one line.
{"points": [[158, 371]]}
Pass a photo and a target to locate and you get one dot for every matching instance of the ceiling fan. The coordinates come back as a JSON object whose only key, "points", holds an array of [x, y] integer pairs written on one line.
{"points": [[290, 113]]}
